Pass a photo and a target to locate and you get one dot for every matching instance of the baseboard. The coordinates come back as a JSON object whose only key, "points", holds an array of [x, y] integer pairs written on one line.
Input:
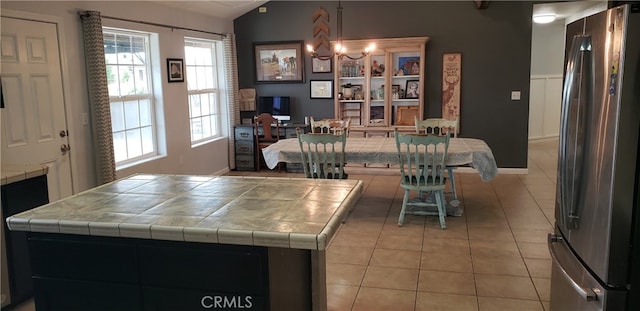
{"points": [[360, 170], [221, 172]]}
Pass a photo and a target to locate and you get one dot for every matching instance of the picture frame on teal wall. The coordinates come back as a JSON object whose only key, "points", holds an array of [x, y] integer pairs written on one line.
{"points": [[279, 62]]}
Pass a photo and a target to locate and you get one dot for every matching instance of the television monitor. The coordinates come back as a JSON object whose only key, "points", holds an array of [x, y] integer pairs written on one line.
{"points": [[278, 106]]}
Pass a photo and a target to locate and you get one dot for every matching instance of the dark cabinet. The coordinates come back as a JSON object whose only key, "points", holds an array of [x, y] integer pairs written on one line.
{"points": [[245, 146], [18, 197], [73, 272]]}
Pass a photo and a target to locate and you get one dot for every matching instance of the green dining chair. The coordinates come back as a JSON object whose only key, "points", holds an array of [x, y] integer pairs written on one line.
{"points": [[323, 155], [422, 160], [441, 127]]}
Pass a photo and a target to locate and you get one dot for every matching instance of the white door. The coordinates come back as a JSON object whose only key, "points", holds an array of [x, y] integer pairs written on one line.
{"points": [[34, 126]]}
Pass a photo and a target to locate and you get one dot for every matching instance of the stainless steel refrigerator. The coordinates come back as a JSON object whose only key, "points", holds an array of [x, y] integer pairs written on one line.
{"points": [[597, 234]]}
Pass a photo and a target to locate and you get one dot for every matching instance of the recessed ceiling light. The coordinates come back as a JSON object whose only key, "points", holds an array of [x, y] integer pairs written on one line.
{"points": [[544, 18]]}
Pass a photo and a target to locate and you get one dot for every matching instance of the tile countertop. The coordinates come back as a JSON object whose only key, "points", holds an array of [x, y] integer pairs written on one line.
{"points": [[13, 173], [263, 211]]}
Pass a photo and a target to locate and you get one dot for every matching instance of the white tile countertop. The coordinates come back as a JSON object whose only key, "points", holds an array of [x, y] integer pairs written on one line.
{"points": [[262, 211], [14, 173]]}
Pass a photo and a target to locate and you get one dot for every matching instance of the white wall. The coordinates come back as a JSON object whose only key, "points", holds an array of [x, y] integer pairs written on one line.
{"points": [[547, 58], [180, 157]]}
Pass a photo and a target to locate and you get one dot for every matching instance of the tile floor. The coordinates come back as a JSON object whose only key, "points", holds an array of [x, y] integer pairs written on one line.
{"points": [[493, 258]]}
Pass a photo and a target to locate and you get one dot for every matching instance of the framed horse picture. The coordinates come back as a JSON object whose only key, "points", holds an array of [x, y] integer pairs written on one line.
{"points": [[279, 62]]}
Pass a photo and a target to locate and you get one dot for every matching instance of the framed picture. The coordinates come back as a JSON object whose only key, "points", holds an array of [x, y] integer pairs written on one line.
{"points": [[406, 115], [409, 65], [412, 89], [321, 88], [175, 70], [279, 62], [395, 88], [318, 65]]}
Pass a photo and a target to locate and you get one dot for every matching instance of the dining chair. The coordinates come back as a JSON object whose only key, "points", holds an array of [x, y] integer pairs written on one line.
{"points": [[267, 132], [427, 126], [323, 155], [446, 127], [332, 126], [422, 160]]}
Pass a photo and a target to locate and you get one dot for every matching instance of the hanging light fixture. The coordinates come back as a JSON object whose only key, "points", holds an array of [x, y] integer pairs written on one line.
{"points": [[339, 49]]}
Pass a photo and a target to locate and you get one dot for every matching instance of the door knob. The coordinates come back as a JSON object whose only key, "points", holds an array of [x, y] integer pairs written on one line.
{"points": [[65, 148], [63, 133]]}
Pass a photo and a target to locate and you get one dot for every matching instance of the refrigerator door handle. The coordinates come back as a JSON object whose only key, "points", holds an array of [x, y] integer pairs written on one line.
{"points": [[588, 294], [580, 46]]}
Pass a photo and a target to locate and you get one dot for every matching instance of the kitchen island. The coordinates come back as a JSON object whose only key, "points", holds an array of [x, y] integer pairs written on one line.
{"points": [[171, 242]]}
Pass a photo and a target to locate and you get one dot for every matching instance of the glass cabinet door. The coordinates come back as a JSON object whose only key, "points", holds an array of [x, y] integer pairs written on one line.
{"points": [[351, 89], [377, 114], [407, 86]]}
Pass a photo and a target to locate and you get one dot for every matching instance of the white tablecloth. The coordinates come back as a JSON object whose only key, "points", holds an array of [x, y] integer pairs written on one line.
{"points": [[462, 151]]}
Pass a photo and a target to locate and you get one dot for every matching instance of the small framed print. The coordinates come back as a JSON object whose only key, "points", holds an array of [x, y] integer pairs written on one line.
{"points": [[321, 88], [319, 65], [412, 89], [175, 69]]}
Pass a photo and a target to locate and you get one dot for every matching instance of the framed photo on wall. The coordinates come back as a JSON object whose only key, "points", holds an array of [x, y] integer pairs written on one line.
{"points": [[320, 66], [279, 62], [321, 88], [175, 70]]}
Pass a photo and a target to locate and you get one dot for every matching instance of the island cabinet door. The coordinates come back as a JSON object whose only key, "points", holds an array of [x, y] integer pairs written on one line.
{"points": [[72, 273], [195, 276]]}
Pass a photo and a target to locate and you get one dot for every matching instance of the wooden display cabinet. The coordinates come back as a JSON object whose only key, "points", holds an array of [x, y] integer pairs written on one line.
{"points": [[386, 87]]}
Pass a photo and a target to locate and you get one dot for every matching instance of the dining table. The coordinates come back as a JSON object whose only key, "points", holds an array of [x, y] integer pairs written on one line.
{"points": [[471, 152], [462, 152]]}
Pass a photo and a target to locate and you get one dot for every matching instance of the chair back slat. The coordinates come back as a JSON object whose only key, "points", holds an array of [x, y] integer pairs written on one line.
{"points": [[330, 126], [322, 155], [437, 126], [422, 158], [263, 128]]}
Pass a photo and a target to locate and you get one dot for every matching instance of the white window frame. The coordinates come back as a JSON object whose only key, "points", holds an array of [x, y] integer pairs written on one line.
{"points": [[149, 96], [214, 112]]}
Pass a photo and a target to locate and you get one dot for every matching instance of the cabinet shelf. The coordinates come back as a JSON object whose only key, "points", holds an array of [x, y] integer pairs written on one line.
{"points": [[379, 106]]}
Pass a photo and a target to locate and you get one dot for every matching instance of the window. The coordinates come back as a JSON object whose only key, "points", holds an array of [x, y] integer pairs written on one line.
{"points": [[202, 88], [131, 99]]}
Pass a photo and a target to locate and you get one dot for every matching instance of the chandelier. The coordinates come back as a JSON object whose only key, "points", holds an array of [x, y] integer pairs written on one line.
{"points": [[339, 49]]}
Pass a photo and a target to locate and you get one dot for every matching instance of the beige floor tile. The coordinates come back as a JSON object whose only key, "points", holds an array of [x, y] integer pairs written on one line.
{"points": [[446, 246], [382, 299], [392, 278], [446, 282], [505, 286], [341, 297], [443, 261], [389, 240], [350, 238], [538, 268], [349, 254], [534, 250], [445, 302], [490, 234], [543, 287], [546, 305], [494, 248], [504, 304], [531, 235], [345, 274], [395, 258], [499, 265], [456, 228]]}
